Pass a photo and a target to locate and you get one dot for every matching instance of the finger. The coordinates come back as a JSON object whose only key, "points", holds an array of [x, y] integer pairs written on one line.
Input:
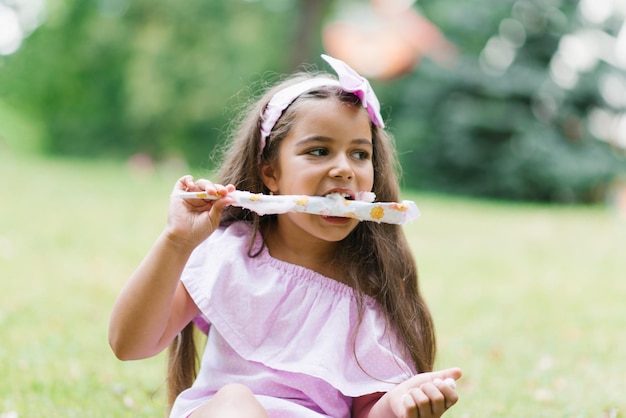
{"points": [[409, 408], [448, 389], [450, 382], [184, 183], [223, 190], [422, 403], [224, 199], [452, 373], [188, 184], [208, 186], [198, 204], [437, 400], [421, 378]]}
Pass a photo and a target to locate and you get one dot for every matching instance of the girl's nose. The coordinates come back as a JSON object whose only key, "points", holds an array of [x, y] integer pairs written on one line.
{"points": [[341, 168]]}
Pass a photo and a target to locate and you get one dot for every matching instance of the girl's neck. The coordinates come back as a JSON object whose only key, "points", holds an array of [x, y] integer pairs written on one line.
{"points": [[311, 252]]}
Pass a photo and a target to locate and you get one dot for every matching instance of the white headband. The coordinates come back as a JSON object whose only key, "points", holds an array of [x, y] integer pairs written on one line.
{"points": [[349, 81]]}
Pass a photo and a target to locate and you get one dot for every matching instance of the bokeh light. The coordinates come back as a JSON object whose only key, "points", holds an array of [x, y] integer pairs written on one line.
{"points": [[18, 19], [384, 39]]}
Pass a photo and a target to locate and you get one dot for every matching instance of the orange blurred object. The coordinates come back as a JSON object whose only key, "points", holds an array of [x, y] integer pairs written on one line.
{"points": [[386, 39]]}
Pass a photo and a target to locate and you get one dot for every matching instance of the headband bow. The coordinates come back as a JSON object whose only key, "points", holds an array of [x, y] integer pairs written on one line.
{"points": [[349, 81], [352, 82]]}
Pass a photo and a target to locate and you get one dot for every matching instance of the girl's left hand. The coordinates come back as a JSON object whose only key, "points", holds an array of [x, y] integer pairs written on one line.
{"points": [[426, 395]]}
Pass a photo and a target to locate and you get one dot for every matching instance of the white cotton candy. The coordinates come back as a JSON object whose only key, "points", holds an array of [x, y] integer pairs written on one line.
{"points": [[363, 208]]}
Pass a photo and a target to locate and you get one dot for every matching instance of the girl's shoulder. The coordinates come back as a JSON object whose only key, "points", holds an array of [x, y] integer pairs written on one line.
{"points": [[230, 239], [235, 250]]}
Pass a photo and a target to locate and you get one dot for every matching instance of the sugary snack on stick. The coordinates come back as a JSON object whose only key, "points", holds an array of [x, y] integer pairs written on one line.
{"points": [[363, 209]]}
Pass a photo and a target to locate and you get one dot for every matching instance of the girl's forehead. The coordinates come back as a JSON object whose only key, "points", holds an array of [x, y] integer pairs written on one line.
{"points": [[332, 115], [329, 104]]}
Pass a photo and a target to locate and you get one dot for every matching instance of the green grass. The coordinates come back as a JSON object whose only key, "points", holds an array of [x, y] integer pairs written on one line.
{"points": [[528, 299], [19, 131]]}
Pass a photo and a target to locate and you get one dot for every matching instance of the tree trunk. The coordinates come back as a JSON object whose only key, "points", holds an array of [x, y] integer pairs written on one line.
{"points": [[307, 31]]}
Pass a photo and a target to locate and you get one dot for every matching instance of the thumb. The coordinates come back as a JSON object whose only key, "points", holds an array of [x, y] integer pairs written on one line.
{"points": [[421, 378], [452, 373]]}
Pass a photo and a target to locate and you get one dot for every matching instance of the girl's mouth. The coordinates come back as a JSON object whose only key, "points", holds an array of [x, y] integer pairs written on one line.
{"points": [[361, 196], [336, 195], [336, 220]]}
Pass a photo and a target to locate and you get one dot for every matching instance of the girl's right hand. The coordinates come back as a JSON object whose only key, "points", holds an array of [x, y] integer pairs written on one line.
{"points": [[191, 221]]}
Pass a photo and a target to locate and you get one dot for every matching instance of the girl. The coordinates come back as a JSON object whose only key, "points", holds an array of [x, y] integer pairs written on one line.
{"points": [[306, 315]]}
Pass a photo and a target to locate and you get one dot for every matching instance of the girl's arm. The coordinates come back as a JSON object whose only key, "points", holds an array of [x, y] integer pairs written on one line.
{"points": [[153, 307], [425, 395]]}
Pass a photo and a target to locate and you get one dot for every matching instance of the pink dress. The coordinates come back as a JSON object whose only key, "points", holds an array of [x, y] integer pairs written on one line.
{"points": [[284, 331]]}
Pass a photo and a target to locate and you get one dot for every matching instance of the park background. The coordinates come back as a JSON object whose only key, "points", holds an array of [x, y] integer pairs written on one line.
{"points": [[510, 121]]}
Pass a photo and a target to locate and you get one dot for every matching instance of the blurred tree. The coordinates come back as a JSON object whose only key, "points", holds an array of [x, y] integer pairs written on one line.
{"points": [[114, 77], [306, 39], [498, 124]]}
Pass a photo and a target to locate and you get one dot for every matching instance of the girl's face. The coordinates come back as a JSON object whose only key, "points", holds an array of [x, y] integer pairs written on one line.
{"points": [[328, 150]]}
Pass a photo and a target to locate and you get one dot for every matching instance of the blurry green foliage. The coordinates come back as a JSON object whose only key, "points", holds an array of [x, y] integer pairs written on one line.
{"points": [[114, 77], [161, 77], [514, 135]]}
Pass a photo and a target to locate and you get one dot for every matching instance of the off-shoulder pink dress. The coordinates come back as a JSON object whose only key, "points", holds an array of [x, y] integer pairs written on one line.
{"points": [[284, 331]]}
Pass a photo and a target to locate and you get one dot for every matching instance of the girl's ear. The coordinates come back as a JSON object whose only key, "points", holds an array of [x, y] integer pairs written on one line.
{"points": [[269, 174]]}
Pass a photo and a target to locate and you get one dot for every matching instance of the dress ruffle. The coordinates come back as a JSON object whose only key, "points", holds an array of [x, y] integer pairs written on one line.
{"points": [[292, 319]]}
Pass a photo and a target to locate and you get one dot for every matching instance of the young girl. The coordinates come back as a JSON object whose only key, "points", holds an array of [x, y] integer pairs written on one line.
{"points": [[306, 315]]}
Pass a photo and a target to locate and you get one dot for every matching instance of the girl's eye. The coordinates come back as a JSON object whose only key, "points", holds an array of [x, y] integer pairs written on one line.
{"points": [[318, 152], [361, 155]]}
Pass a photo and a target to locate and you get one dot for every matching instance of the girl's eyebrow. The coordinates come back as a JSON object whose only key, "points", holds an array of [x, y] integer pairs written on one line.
{"points": [[324, 139]]}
